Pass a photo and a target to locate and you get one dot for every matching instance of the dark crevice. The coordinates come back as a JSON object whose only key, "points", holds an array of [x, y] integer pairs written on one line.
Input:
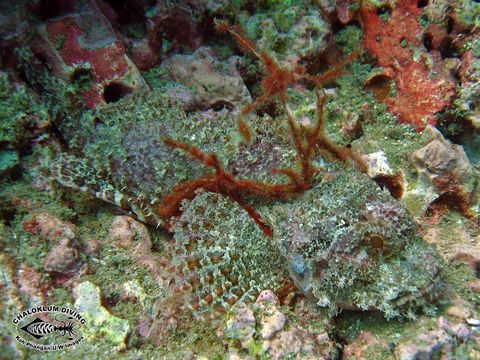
{"points": [[384, 11], [115, 91], [220, 105], [422, 3], [450, 23], [427, 41], [48, 9], [447, 49], [7, 215], [129, 12], [476, 268]]}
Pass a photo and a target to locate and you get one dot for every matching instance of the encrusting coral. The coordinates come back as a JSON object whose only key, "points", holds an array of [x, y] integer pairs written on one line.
{"points": [[424, 86]]}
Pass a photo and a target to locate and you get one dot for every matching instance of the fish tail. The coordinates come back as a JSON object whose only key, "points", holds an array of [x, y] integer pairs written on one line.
{"points": [[75, 173]]}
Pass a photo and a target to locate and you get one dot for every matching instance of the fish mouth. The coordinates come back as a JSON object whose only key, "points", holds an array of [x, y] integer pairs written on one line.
{"points": [[430, 292]]}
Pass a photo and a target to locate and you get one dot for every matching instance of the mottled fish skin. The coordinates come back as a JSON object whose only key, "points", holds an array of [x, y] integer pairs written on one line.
{"points": [[221, 256], [351, 245], [346, 243], [125, 161]]}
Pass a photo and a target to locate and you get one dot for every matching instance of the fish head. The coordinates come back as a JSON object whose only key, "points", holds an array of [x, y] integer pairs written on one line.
{"points": [[359, 250]]}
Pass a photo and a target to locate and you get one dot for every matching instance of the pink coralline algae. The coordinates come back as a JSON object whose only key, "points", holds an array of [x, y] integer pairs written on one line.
{"points": [[422, 90]]}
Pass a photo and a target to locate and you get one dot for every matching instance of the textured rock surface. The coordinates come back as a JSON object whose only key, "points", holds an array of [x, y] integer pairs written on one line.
{"points": [[50, 227], [99, 321], [133, 236], [214, 84], [442, 162], [365, 346], [63, 258], [449, 340], [261, 330], [88, 56]]}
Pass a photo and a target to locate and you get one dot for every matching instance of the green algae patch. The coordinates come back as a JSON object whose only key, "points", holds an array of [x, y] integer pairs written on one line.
{"points": [[459, 275], [349, 39], [99, 321], [8, 161], [19, 110]]}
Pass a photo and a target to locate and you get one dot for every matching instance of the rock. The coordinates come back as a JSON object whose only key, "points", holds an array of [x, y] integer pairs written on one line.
{"points": [[172, 26], [377, 164], [461, 331], [272, 319], [475, 286], [261, 330], [143, 55], [123, 230], [93, 247], [365, 346], [447, 341], [63, 258], [181, 93], [30, 285], [50, 227], [267, 296], [442, 162], [428, 346], [214, 84], [297, 343], [99, 321], [285, 32], [86, 56], [64, 254], [143, 327], [460, 312], [130, 234], [272, 324], [241, 326]]}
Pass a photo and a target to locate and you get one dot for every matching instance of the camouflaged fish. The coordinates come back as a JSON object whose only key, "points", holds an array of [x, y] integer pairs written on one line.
{"points": [[345, 242]]}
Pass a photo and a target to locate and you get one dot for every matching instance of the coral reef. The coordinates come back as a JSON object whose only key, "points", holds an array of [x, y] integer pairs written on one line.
{"points": [[280, 178]]}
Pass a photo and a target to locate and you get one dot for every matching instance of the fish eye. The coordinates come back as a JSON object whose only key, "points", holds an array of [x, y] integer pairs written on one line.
{"points": [[376, 242]]}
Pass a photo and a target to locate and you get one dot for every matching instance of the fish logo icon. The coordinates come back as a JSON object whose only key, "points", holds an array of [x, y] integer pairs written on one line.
{"points": [[39, 328], [49, 328]]}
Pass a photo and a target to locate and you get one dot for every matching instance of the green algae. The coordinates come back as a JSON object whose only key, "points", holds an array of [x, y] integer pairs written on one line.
{"points": [[382, 132], [459, 275], [19, 110], [349, 39], [468, 12], [99, 321], [8, 161]]}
